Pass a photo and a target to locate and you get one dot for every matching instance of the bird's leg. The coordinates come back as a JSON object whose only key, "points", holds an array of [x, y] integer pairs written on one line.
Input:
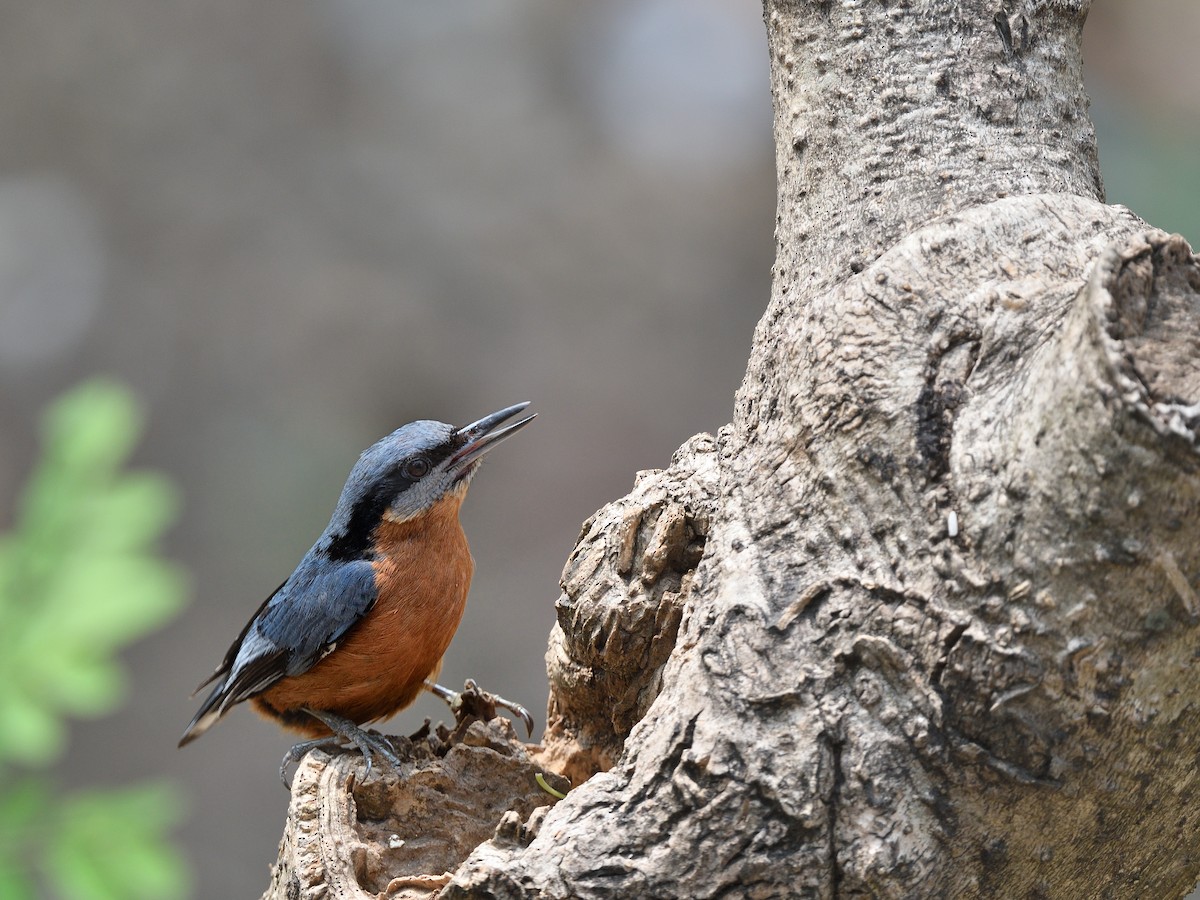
{"points": [[473, 701], [344, 731]]}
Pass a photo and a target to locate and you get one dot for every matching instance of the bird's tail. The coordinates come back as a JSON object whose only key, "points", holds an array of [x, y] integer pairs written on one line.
{"points": [[210, 710]]}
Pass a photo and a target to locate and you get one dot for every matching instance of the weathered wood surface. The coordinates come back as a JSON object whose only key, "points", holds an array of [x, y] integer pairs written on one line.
{"points": [[921, 621]]}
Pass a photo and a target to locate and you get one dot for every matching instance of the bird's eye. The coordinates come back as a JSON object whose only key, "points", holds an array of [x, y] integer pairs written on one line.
{"points": [[416, 468]]}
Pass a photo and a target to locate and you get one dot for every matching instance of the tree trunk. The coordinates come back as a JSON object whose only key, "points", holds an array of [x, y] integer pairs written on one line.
{"points": [[921, 620]]}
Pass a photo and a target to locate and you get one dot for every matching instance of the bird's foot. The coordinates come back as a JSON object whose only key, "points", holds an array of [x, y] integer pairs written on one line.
{"points": [[344, 732], [471, 701]]}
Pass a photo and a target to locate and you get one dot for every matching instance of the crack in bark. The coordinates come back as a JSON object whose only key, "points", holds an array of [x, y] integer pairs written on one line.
{"points": [[832, 802], [938, 403], [948, 645], [662, 776]]}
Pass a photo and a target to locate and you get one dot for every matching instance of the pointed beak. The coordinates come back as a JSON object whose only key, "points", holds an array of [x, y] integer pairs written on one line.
{"points": [[480, 437]]}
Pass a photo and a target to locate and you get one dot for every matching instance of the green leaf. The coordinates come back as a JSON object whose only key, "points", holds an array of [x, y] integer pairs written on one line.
{"points": [[23, 808], [92, 428], [110, 599], [30, 733], [82, 681], [77, 874], [15, 883], [87, 434], [109, 844], [130, 513], [79, 578], [22, 804]]}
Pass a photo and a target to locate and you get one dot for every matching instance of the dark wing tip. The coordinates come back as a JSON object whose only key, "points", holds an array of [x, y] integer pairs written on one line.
{"points": [[220, 670], [201, 723]]}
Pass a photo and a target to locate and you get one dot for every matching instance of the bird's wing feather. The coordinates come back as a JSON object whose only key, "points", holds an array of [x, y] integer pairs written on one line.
{"points": [[310, 611], [231, 654], [315, 608], [257, 673]]}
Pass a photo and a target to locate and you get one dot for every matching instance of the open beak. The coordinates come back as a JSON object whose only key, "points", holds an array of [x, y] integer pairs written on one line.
{"points": [[482, 436]]}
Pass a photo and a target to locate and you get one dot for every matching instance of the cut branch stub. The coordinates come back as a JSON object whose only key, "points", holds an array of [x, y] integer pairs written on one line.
{"points": [[402, 831]]}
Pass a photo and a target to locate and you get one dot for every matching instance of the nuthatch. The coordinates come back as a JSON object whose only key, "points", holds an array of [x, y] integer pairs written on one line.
{"points": [[361, 626]]}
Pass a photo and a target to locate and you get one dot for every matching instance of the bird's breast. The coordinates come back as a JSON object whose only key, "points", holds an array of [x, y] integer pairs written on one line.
{"points": [[422, 576], [423, 571]]}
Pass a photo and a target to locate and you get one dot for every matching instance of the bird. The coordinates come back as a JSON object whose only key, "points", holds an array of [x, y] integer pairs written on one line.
{"points": [[359, 629]]}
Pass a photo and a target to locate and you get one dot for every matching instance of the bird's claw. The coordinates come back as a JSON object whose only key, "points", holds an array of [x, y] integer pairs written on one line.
{"points": [[516, 709], [297, 752], [472, 701], [344, 731]]}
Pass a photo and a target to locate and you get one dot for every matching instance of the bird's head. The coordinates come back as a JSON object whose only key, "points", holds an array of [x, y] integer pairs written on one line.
{"points": [[404, 475]]}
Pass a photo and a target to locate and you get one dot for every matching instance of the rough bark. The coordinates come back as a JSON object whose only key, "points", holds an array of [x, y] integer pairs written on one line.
{"points": [[399, 832], [921, 620]]}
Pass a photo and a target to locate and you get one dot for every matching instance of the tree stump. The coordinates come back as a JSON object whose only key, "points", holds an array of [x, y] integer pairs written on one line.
{"points": [[921, 621]]}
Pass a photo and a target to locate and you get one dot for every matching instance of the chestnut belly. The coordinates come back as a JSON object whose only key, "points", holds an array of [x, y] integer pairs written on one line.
{"points": [[380, 665]]}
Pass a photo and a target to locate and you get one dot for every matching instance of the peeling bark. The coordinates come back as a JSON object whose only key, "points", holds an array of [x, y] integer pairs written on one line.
{"points": [[921, 620]]}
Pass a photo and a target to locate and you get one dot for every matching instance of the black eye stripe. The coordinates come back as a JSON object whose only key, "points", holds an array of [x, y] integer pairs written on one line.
{"points": [[353, 541], [402, 478]]}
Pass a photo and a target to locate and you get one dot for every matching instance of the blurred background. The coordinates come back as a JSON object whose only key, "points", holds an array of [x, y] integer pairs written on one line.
{"points": [[293, 226]]}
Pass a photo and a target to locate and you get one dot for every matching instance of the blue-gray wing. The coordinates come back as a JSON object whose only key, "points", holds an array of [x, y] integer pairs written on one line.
{"points": [[301, 622], [317, 613]]}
